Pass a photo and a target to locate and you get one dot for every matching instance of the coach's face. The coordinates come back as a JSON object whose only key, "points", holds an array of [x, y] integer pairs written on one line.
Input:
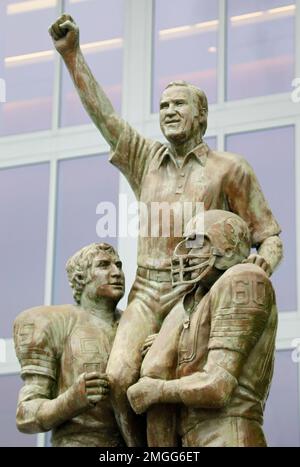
{"points": [[178, 115]]}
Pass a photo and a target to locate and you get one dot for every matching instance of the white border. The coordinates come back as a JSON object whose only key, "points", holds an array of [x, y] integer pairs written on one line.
{"points": [[62, 143]]}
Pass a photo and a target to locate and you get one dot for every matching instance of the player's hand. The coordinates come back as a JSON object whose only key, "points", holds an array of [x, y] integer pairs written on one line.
{"points": [[259, 261], [144, 393], [148, 343], [65, 34], [92, 387]]}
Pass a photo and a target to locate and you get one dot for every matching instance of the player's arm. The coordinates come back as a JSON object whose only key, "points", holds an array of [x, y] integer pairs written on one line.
{"points": [[65, 35], [37, 411], [210, 388], [228, 349]]}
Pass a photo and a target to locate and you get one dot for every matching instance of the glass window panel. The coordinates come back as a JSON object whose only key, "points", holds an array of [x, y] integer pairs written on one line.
{"points": [[185, 45], [212, 142], [271, 153], [282, 424], [260, 47], [101, 26], [9, 434], [27, 65], [23, 240], [82, 184]]}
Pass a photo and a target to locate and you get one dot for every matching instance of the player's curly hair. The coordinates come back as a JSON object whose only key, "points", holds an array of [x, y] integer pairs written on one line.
{"points": [[200, 100], [78, 266]]}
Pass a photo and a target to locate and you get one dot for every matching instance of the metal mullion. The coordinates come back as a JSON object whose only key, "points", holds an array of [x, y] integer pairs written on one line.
{"points": [[222, 62]]}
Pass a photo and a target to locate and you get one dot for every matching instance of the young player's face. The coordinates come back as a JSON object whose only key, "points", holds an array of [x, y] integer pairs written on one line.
{"points": [[108, 277]]}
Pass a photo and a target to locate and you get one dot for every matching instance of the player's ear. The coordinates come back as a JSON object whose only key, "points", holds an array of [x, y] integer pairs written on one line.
{"points": [[79, 279]]}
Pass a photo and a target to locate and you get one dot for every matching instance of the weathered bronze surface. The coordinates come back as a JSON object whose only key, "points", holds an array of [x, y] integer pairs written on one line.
{"points": [[212, 361], [63, 351], [184, 170]]}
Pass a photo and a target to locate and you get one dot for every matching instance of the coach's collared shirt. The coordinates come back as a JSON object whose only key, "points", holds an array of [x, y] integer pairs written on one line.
{"points": [[220, 180]]}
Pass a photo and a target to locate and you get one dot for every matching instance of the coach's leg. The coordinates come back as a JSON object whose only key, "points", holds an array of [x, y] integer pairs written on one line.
{"points": [[161, 363], [123, 369]]}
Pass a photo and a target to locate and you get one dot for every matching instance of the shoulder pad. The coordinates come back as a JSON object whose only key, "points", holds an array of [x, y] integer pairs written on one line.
{"points": [[241, 302], [38, 336]]}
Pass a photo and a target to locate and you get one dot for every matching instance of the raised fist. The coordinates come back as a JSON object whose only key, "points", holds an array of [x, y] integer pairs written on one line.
{"points": [[65, 34]]}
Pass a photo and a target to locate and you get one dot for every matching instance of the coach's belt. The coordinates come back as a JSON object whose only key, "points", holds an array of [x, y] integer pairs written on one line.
{"points": [[154, 274]]}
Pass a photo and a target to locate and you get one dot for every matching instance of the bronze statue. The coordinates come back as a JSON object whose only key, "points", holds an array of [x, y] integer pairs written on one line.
{"points": [[213, 357], [63, 351], [185, 170]]}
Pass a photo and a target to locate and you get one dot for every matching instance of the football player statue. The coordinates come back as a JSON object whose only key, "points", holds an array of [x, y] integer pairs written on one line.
{"points": [[63, 351], [185, 170], [213, 358]]}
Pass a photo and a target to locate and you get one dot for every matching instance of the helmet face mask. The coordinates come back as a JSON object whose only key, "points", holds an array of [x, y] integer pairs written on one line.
{"points": [[189, 267], [224, 243]]}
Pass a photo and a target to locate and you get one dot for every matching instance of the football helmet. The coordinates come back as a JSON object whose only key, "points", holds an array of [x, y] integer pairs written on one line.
{"points": [[220, 240]]}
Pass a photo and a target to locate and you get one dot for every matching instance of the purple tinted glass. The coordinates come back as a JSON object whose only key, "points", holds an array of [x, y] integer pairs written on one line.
{"points": [[282, 424], [260, 47], [9, 435], [82, 184], [271, 153], [23, 240], [27, 65], [185, 45], [101, 26], [212, 142]]}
